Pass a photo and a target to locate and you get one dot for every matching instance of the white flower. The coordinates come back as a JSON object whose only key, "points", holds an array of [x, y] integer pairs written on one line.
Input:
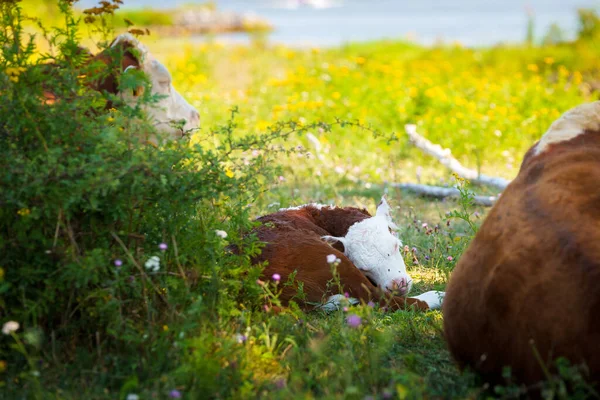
{"points": [[332, 258], [133, 396], [10, 327], [221, 234], [153, 264]]}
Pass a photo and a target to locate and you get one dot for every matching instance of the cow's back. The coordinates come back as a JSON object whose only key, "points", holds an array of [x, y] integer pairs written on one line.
{"points": [[530, 280]]}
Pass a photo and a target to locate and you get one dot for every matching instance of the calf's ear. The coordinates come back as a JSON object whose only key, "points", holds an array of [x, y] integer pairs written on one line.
{"points": [[384, 210], [337, 242]]}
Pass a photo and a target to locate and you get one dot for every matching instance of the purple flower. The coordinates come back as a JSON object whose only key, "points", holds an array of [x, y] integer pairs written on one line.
{"points": [[427, 258], [118, 263], [175, 394], [241, 338], [280, 383], [276, 277], [371, 304], [346, 294], [163, 246], [353, 321]]}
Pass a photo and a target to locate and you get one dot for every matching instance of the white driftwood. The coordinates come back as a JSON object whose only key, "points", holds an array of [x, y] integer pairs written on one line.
{"points": [[444, 156], [443, 192]]}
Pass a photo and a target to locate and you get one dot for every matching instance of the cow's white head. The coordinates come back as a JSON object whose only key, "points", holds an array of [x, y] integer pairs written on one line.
{"points": [[172, 114], [375, 250]]}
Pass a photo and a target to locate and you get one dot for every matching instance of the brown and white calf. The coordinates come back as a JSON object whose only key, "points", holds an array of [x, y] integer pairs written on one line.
{"points": [[306, 240], [172, 114], [527, 290]]}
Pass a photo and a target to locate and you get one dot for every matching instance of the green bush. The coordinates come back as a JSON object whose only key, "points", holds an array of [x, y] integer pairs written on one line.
{"points": [[86, 202]]}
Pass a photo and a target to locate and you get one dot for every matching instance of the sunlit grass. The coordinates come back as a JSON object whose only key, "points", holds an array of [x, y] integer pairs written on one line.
{"points": [[487, 106]]}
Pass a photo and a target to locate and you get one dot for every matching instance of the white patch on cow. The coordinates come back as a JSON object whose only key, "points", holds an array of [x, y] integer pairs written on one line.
{"points": [[172, 108], [375, 251], [315, 205], [585, 117], [337, 301], [433, 299]]}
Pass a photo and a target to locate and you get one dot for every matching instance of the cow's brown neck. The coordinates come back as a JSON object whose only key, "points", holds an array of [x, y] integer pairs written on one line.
{"points": [[110, 82], [336, 220]]}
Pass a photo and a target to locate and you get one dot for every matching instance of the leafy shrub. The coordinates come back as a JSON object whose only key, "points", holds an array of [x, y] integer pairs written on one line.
{"points": [[106, 240]]}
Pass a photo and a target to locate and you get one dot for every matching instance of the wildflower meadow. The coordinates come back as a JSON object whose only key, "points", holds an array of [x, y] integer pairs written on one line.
{"points": [[117, 279]]}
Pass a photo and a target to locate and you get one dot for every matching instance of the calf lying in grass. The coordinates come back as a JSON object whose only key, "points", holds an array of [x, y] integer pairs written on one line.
{"points": [[527, 290], [364, 251]]}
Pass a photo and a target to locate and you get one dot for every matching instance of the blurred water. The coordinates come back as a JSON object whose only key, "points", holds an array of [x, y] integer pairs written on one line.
{"points": [[333, 22]]}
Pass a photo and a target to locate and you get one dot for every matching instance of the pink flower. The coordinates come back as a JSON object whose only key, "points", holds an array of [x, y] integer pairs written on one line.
{"points": [[450, 258], [118, 262], [276, 277], [281, 179], [353, 321], [163, 246], [345, 309]]}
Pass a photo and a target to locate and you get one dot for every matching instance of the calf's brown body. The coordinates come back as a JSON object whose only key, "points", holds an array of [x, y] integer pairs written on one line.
{"points": [[530, 280]]}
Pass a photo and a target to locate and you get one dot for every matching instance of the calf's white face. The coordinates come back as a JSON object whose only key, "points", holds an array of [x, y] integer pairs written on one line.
{"points": [[375, 251], [172, 109]]}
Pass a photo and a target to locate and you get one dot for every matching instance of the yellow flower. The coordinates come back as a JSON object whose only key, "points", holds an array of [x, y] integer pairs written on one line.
{"points": [[533, 68], [361, 60], [24, 212], [229, 172], [111, 119], [165, 328], [336, 95], [549, 60], [563, 71], [14, 71]]}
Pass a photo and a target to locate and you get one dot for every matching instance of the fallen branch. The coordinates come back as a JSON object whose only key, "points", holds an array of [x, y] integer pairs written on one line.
{"points": [[443, 192], [444, 156]]}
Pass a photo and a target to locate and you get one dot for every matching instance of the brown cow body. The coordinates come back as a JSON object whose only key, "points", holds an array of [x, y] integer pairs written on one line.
{"points": [[530, 280], [294, 242]]}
